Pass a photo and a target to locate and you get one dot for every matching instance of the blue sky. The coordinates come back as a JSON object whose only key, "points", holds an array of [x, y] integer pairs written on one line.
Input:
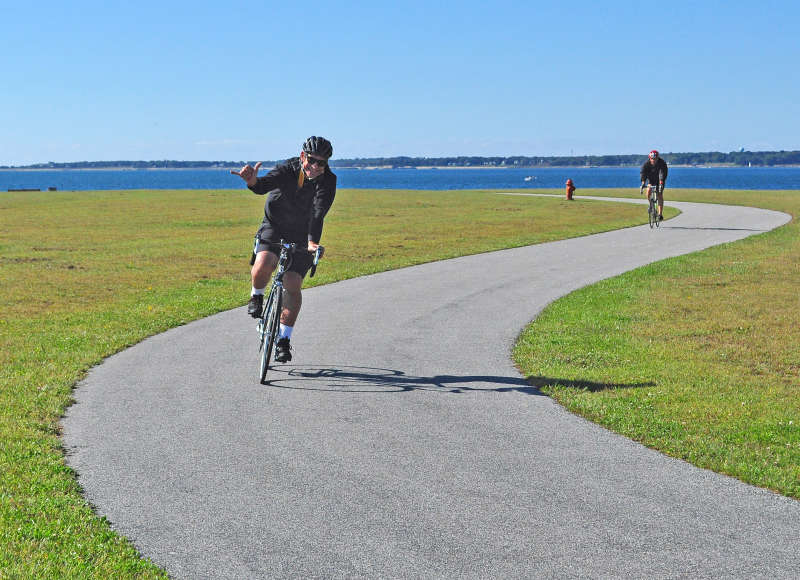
{"points": [[85, 80]]}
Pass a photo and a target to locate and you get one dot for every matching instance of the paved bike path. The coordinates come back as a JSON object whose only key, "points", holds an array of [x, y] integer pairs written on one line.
{"points": [[403, 443]]}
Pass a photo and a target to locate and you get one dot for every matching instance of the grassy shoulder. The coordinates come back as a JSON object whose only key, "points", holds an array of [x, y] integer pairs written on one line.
{"points": [[86, 274], [697, 356]]}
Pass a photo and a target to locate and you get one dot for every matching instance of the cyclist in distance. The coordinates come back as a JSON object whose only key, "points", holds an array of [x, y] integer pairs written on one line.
{"points": [[300, 192], [655, 170]]}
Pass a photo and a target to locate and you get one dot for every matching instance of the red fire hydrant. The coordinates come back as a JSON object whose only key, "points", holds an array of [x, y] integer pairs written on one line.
{"points": [[570, 188]]}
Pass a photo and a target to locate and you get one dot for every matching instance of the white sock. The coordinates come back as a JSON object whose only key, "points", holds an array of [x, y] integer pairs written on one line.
{"points": [[286, 331], [256, 291]]}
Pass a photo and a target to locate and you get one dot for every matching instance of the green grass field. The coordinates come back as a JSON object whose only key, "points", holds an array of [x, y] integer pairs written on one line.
{"points": [[711, 374], [86, 274]]}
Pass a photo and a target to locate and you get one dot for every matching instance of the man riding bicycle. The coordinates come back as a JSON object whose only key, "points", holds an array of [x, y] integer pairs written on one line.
{"points": [[655, 170], [300, 192]]}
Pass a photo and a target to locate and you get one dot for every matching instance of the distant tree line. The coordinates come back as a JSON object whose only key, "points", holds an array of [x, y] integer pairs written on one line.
{"points": [[740, 158], [763, 158], [162, 164]]}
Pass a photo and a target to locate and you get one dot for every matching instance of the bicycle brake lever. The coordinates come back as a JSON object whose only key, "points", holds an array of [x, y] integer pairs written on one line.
{"points": [[317, 255]]}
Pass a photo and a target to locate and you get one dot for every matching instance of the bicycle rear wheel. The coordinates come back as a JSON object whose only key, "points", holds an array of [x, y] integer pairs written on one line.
{"points": [[272, 318]]}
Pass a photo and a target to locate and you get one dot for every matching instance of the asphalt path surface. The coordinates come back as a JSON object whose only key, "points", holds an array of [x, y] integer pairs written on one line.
{"points": [[402, 442]]}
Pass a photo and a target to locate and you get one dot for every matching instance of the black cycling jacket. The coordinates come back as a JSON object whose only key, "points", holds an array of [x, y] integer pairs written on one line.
{"points": [[295, 207], [653, 173]]}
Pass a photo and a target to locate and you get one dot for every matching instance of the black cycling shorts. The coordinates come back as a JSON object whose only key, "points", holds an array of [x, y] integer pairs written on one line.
{"points": [[269, 240]]}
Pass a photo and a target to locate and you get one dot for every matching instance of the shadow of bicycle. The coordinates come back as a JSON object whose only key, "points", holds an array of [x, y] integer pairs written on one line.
{"points": [[377, 380]]}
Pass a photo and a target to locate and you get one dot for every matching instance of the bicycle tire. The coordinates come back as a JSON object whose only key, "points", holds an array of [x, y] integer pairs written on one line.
{"points": [[272, 318], [265, 336], [652, 218]]}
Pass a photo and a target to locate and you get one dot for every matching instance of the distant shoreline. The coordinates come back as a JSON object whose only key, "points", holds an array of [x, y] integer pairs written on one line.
{"points": [[385, 167], [739, 158], [122, 168]]}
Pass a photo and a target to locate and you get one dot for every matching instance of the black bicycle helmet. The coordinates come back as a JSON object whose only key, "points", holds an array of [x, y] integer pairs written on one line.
{"points": [[319, 146]]}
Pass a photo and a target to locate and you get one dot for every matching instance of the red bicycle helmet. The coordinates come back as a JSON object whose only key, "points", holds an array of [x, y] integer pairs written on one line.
{"points": [[653, 154]]}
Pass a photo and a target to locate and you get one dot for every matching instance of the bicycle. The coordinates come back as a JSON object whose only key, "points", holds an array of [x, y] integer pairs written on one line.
{"points": [[269, 323], [652, 207]]}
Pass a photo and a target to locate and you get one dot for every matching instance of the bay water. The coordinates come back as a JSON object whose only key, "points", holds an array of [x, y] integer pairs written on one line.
{"points": [[409, 178]]}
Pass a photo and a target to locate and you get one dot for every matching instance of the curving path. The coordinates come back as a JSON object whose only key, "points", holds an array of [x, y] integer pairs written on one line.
{"points": [[403, 443]]}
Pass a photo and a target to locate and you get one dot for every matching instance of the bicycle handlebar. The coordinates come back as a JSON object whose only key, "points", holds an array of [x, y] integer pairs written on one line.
{"points": [[291, 248]]}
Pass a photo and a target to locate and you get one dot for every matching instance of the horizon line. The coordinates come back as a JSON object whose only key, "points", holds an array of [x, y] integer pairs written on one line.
{"points": [[399, 157]]}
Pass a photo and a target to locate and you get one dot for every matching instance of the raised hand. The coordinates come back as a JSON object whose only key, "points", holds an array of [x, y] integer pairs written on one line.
{"points": [[248, 173]]}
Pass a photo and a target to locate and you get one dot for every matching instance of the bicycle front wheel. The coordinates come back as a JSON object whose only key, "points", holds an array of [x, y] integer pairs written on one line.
{"points": [[652, 217], [272, 319]]}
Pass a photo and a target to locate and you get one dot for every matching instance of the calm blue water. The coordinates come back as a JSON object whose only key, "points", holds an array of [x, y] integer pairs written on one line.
{"points": [[688, 177]]}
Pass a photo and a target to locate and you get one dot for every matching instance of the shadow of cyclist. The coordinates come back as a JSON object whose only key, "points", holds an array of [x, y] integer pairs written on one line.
{"points": [[377, 380]]}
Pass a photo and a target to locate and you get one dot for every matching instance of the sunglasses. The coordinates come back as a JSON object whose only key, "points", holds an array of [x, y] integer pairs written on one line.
{"points": [[316, 161]]}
